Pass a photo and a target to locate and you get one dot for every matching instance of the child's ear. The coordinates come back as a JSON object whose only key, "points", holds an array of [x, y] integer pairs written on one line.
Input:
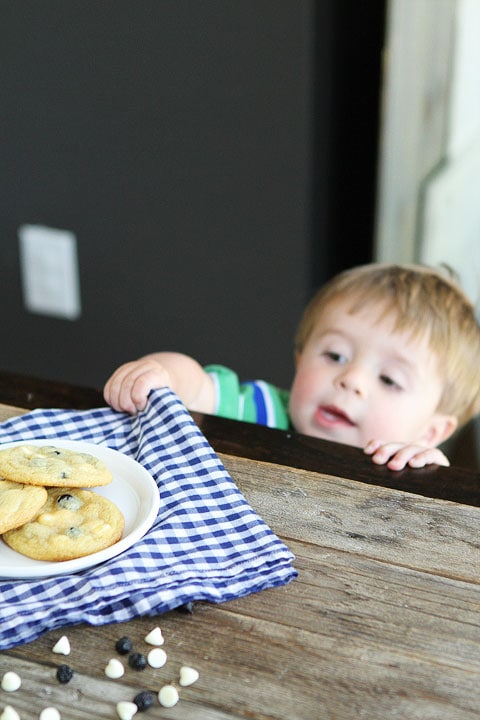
{"points": [[440, 428]]}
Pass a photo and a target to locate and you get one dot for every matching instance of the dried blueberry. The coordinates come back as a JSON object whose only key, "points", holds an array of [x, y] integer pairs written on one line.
{"points": [[137, 661], [73, 532], [143, 700], [123, 645], [64, 674], [65, 498], [69, 502]]}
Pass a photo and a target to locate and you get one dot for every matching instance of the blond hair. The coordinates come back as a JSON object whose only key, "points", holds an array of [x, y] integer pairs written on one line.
{"points": [[423, 301]]}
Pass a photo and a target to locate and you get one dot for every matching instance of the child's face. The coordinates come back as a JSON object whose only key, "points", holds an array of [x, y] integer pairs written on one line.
{"points": [[357, 379]]}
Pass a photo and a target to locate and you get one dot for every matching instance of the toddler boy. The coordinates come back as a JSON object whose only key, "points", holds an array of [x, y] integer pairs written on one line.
{"points": [[387, 358]]}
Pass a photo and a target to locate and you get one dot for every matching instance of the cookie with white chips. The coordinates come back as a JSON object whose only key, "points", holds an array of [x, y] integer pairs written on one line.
{"points": [[51, 466], [72, 523]]}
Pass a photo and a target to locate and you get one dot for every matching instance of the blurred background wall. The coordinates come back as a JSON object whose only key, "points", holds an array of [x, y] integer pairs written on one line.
{"points": [[215, 162]]}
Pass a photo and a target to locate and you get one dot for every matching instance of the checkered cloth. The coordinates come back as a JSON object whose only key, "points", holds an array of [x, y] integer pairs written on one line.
{"points": [[205, 544]]}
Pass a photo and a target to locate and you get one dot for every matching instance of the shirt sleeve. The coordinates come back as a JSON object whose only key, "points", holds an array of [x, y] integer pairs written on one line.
{"points": [[253, 401]]}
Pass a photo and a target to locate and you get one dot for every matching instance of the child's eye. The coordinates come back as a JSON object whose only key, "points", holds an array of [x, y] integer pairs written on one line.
{"points": [[389, 382], [335, 357]]}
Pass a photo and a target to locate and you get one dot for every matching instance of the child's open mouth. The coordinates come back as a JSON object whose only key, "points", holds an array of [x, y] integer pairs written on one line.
{"points": [[331, 416]]}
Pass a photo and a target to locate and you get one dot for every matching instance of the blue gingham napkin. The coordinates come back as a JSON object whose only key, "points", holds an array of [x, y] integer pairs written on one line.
{"points": [[205, 544]]}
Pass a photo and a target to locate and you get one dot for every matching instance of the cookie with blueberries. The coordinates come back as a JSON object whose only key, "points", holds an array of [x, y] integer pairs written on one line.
{"points": [[52, 466], [71, 524]]}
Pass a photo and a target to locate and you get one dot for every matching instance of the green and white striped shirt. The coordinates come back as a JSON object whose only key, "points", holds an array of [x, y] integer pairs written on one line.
{"points": [[252, 401]]}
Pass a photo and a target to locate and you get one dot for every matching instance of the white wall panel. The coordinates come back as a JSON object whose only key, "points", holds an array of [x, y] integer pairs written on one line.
{"points": [[451, 232], [465, 95]]}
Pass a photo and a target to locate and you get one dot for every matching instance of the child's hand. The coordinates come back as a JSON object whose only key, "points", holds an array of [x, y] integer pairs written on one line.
{"points": [[128, 388], [397, 456]]}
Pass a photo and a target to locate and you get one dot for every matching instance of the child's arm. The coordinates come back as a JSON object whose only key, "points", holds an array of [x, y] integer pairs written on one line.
{"points": [[127, 389], [397, 456]]}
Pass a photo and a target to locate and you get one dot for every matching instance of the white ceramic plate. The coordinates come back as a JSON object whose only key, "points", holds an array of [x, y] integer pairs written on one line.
{"points": [[132, 489]]}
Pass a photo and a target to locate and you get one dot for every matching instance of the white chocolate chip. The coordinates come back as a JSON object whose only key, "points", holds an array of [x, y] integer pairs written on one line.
{"points": [[126, 710], [11, 681], [114, 669], [155, 637], [9, 713], [50, 713], [168, 696], [157, 658], [188, 676], [62, 646]]}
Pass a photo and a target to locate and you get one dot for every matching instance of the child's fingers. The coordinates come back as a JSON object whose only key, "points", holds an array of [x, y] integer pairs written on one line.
{"points": [[372, 446], [428, 456], [396, 456], [391, 452]]}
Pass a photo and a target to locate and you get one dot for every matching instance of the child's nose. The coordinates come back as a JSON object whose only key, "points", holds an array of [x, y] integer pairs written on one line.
{"points": [[352, 379]]}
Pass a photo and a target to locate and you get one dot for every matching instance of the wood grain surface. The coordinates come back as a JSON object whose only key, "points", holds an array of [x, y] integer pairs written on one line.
{"points": [[382, 623]]}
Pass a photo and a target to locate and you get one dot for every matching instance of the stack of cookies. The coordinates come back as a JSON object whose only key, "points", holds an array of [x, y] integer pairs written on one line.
{"points": [[44, 513]]}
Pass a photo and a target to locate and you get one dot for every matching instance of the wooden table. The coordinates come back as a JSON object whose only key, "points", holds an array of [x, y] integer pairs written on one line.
{"points": [[382, 623]]}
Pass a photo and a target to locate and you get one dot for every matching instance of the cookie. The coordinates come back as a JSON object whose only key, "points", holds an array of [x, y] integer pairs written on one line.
{"points": [[19, 503], [52, 466], [71, 524]]}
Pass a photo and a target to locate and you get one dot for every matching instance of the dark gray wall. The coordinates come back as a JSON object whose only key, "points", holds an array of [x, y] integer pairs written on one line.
{"points": [[188, 145]]}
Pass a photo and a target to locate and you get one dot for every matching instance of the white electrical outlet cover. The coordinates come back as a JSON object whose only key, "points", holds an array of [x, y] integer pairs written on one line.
{"points": [[49, 270]]}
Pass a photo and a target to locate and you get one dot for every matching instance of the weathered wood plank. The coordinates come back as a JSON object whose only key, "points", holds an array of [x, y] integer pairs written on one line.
{"points": [[382, 622], [408, 530], [364, 646], [373, 604], [87, 697]]}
